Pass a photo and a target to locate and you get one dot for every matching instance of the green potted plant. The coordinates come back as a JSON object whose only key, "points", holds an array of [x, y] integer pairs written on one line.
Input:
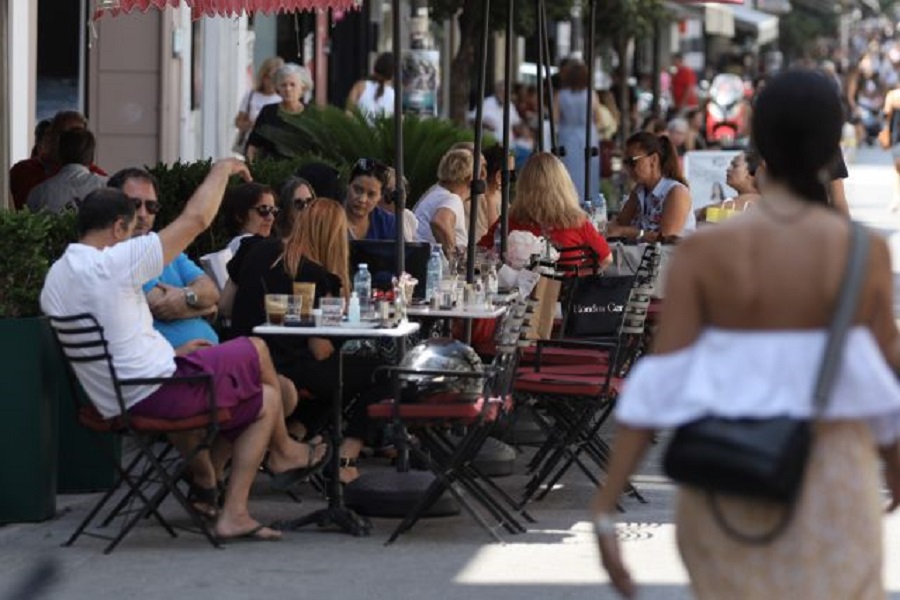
{"points": [[28, 431]]}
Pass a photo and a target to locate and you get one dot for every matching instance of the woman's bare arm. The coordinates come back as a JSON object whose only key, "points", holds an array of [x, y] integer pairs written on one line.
{"points": [[675, 212]]}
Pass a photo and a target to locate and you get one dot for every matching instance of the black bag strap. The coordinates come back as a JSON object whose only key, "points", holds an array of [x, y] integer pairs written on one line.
{"points": [[848, 301]]}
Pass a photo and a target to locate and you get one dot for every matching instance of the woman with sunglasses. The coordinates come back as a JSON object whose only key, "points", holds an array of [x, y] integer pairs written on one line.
{"points": [[249, 210], [295, 195], [317, 251], [365, 219], [659, 206]]}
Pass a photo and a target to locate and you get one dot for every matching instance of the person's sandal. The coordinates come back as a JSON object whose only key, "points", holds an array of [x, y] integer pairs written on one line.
{"points": [[348, 463]]}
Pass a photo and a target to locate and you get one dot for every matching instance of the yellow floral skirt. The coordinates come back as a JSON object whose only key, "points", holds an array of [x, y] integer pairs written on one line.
{"points": [[832, 548]]}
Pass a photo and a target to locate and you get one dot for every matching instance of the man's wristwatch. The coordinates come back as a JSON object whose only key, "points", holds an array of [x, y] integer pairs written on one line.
{"points": [[190, 297]]}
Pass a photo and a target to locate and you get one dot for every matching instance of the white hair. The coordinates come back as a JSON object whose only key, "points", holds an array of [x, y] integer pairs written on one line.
{"points": [[294, 70]]}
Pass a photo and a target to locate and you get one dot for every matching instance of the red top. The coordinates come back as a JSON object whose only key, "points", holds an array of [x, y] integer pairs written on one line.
{"points": [[26, 174], [683, 81], [584, 235]]}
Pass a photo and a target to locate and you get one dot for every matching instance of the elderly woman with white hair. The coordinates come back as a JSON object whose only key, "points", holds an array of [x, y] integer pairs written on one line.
{"points": [[292, 82]]}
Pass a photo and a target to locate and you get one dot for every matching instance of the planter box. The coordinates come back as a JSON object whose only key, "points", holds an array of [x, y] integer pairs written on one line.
{"points": [[28, 428]]}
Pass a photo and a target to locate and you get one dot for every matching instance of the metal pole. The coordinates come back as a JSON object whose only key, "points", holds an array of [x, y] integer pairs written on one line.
{"points": [[477, 182], [545, 37], [657, 67], [589, 150], [505, 174], [399, 192], [540, 80]]}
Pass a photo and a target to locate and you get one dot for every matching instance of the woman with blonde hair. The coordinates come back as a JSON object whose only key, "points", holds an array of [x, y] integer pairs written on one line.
{"points": [[317, 251], [441, 212], [546, 203], [262, 94]]}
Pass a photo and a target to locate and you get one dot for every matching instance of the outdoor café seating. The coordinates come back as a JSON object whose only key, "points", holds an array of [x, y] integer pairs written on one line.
{"points": [[155, 469]]}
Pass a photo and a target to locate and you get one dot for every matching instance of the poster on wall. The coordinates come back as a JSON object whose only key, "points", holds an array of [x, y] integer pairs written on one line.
{"points": [[705, 173], [420, 73]]}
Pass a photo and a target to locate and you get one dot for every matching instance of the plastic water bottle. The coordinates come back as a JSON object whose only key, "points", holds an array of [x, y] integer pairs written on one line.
{"points": [[434, 274], [353, 311], [362, 286], [599, 216]]}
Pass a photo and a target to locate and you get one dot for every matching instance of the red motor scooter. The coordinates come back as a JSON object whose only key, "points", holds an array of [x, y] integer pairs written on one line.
{"points": [[726, 110]]}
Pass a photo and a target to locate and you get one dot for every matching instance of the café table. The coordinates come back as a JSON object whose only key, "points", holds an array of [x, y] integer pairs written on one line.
{"points": [[336, 513]]}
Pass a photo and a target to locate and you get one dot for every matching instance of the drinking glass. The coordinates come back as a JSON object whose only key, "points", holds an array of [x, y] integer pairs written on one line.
{"points": [[332, 311], [276, 308]]}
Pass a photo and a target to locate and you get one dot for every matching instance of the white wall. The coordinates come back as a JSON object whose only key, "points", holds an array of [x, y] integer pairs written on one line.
{"points": [[22, 47], [225, 57]]}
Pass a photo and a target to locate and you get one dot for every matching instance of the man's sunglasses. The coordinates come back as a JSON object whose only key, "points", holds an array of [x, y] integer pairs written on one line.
{"points": [[264, 210], [152, 206]]}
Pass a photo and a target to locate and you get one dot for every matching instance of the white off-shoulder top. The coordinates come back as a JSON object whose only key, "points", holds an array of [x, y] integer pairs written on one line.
{"points": [[757, 374]]}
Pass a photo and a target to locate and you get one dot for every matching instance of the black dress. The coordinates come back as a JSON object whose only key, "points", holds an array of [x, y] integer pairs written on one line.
{"points": [[259, 271]]}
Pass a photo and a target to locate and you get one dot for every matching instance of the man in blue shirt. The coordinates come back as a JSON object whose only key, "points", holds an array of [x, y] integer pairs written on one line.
{"points": [[183, 296], [365, 219]]}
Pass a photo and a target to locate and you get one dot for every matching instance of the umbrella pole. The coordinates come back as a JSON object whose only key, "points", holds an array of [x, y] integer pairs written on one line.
{"points": [[477, 182], [505, 174], [540, 80], [589, 149], [399, 191], [544, 40]]}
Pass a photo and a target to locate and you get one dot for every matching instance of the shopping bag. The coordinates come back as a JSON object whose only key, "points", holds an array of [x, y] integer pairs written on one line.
{"points": [[546, 292], [597, 305]]}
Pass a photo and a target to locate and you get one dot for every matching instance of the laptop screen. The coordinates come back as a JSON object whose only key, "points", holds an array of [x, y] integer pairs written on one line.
{"points": [[380, 255]]}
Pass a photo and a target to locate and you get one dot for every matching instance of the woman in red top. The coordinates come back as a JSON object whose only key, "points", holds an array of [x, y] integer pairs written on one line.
{"points": [[546, 204]]}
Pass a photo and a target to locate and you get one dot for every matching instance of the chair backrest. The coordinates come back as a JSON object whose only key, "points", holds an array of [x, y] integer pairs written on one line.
{"points": [[82, 342], [511, 338]]}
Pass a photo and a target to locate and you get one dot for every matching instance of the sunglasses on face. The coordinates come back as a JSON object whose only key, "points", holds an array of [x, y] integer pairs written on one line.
{"points": [[304, 202], [631, 161], [264, 210], [152, 206]]}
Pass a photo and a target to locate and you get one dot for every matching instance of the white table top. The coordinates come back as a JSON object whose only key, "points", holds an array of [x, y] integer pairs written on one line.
{"points": [[401, 330], [462, 312]]}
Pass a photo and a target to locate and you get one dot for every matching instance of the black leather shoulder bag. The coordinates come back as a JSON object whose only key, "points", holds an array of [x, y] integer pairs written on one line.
{"points": [[766, 458]]}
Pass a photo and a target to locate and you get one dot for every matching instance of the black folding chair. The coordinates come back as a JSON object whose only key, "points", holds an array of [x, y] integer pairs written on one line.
{"points": [[153, 472], [604, 333], [452, 460]]}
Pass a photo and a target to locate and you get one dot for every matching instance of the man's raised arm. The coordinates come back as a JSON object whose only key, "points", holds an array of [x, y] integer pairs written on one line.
{"points": [[201, 208]]}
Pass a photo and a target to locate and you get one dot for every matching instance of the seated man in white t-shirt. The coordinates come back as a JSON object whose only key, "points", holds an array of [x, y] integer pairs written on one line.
{"points": [[103, 273], [441, 212]]}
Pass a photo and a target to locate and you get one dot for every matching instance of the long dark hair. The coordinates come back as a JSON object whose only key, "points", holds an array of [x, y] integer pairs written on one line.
{"points": [[797, 130], [238, 201], [661, 146], [382, 72]]}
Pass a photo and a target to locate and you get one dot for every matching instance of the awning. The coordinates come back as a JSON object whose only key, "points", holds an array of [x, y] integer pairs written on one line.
{"points": [[765, 26], [223, 8]]}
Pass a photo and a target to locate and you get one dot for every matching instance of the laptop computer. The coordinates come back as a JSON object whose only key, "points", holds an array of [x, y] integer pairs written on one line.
{"points": [[381, 255]]}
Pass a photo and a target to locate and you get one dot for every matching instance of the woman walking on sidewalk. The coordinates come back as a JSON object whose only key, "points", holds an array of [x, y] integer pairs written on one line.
{"points": [[748, 305]]}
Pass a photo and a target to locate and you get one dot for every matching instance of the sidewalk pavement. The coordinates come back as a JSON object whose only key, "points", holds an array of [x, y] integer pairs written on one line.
{"points": [[447, 558]]}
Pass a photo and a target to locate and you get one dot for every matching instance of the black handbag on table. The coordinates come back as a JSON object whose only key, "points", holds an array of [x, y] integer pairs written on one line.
{"points": [[766, 458]]}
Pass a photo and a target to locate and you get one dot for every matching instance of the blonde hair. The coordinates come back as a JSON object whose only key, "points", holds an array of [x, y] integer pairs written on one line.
{"points": [[320, 235], [545, 195], [455, 167], [270, 65]]}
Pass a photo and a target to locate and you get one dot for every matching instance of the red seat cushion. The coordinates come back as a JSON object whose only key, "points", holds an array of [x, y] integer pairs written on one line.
{"points": [[90, 418], [555, 355], [457, 412], [576, 369], [562, 384]]}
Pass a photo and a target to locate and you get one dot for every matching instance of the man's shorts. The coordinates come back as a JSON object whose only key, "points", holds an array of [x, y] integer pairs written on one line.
{"points": [[234, 366]]}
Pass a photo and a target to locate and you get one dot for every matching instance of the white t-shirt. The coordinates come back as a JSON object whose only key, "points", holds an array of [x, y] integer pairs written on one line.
{"points": [[436, 198], [257, 101], [107, 283]]}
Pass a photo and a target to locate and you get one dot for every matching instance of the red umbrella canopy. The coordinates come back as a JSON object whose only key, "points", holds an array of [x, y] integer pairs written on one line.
{"points": [[223, 8]]}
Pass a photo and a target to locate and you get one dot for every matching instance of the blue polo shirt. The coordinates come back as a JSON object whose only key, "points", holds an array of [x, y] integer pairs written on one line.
{"points": [[181, 272], [382, 225]]}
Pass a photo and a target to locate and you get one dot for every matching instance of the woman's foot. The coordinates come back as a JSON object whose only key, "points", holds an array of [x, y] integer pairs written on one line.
{"points": [[247, 529], [349, 471]]}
